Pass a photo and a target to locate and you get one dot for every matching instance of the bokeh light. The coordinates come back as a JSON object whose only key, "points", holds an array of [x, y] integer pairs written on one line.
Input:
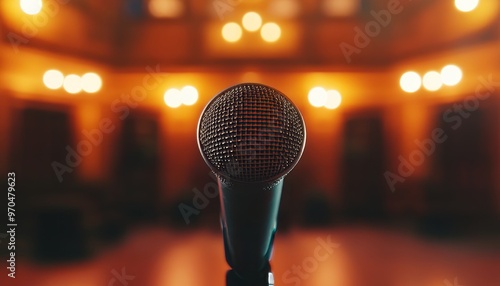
{"points": [[335, 8], [173, 98], [451, 75], [165, 8], [251, 21], [189, 95], [53, 79], [432, 81], [466, 5], [72, 83], [317, 96], [91, 82], [333, 99], [31, 7], [270, 32], [410, 82], [231, 32]]}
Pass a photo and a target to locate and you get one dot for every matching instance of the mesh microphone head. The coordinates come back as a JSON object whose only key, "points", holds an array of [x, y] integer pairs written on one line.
{"points": [[251, 133]]}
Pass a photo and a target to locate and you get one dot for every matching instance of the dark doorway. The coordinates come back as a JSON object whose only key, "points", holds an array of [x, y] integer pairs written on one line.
{"points": [[138, 167], [41, 136], [363, 166], [460, 195]]}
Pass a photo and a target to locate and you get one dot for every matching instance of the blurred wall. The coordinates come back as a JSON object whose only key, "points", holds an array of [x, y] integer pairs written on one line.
{"points": [[406, 117]]}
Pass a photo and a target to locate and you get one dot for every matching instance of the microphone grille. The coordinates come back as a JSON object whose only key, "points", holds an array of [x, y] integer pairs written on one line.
{"points": [[251, 133]]}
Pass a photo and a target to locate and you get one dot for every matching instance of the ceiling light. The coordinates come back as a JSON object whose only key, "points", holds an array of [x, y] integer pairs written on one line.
{"points": [[451, 75], [317, 96], [91, 82], [189, 95], [432, 81], [410, 82], [333, 99], [340, 8], [53, 79], [165, 8], [270, 32], [251, 21], [173, 98], [72, 83], [31, 7], [466, 5], [231, 32]]}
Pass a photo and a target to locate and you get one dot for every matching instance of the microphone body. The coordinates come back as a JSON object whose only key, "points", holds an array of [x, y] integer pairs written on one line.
{"points": [[251, 136], [249, 219]]}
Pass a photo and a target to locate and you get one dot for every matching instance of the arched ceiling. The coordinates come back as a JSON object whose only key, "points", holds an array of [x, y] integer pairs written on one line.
{"points": [[124, 33]]}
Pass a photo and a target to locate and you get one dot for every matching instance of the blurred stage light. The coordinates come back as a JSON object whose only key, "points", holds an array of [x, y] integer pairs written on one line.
{"points": [[72, 83], [341, 8], [231, 32], [333, 99], [451, 75], [270, 32], [317, 96], [410, 82], [189, 95], [31, 7], [466, 5], [53, 79], [432, 81], [91, 82], [173, 98], [165, 8], [251, 21]]}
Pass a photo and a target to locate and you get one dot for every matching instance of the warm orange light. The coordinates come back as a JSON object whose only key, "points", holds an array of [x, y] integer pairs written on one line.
{"points": [[451, 75], [173, 98], [189, 95], [340, 8], [466, 5], [432, 81], [53, 79], [165, 8], [231, 32], [91, 82], [251, 21], [333, 99], [410, 82], [72, 83], [270, 32], [317, 96], [31, 7]]}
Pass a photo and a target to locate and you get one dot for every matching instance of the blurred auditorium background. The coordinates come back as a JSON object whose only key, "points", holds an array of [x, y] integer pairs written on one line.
{"points": [[99, 103]]}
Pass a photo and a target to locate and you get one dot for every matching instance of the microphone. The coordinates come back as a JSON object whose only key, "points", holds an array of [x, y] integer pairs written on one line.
{"points": [[251, 136]]}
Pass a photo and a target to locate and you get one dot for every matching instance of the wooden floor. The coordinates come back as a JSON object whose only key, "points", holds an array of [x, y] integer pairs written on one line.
{"points": [[357, 256]]}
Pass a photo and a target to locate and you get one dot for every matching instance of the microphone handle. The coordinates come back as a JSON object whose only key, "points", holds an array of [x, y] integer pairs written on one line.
{"points": [[249, 214]]}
